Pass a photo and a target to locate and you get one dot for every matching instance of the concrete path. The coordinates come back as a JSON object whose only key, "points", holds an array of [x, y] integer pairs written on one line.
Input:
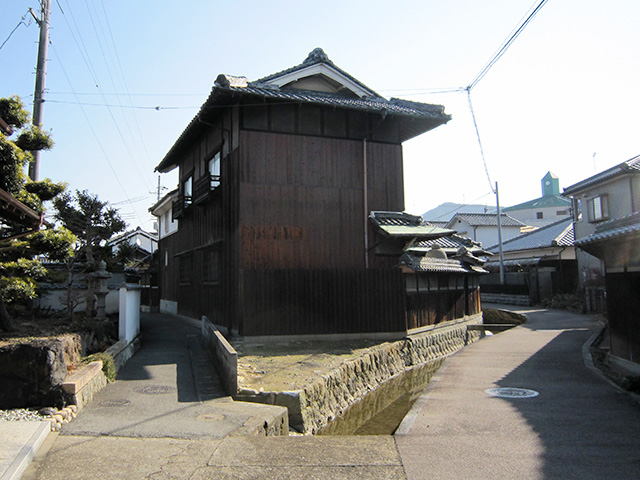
{"points": [[19, 443], [579, 426], [168, 389]]}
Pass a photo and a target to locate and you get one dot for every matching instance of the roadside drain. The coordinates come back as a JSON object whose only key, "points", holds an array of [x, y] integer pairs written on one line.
{"points": [[511, 392], [155, 389]]}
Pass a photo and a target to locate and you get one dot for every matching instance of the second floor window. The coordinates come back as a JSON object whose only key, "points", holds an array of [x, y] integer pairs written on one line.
{"points": [[214, 170], [599, 208], [577, 210], [187, 190]]}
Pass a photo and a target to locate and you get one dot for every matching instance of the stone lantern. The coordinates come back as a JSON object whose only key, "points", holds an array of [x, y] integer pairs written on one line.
{"points": [[101, 290]]}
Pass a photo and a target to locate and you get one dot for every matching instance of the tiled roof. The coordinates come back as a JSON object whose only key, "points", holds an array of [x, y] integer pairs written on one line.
{"points": [[557, 234], [393, 106], [542, 202], [485, 220], [438, 265], [168, 197], [438, 223], [631, 166], [228, 90], [315, 57], [400, 224], [126, 235], [612, 229], [449, 244]]}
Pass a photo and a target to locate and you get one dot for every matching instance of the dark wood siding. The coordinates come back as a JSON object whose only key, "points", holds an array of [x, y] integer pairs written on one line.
{"points": [[279, 247], [302, 199], [623, 306], [299, 302], [437, 297]]}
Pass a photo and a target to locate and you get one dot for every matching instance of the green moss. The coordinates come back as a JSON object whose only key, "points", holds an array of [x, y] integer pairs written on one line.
{"points": [[108, 364]]}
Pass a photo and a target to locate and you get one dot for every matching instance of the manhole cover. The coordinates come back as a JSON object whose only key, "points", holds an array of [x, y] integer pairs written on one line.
{"points": [[155, 389], [114, 403], [511, 392]]}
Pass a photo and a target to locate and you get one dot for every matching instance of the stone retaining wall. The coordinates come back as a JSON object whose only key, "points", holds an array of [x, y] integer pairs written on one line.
{"points": [[31, 372], [316, 405], [82, 385], [505, 298]]}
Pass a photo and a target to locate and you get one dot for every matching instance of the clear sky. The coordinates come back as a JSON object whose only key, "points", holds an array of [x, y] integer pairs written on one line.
{"points": [[563, 98]]}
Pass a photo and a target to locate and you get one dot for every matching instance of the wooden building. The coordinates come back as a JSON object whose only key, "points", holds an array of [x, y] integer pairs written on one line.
{"points": [[277, 179]]}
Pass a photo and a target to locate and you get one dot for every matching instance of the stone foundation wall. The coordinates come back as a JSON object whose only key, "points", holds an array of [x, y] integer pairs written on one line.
{"points": [[316, 405], [82, 385], [505, 298]]}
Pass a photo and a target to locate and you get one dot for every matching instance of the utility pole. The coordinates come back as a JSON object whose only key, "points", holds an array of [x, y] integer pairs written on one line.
{"points": [[500, 237], [41, 73]]}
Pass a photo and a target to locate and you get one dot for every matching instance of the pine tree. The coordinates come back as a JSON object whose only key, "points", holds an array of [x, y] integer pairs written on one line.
{"points": [[21, 243]]}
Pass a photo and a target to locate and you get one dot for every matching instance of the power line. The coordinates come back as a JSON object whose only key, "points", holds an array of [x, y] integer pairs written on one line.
{"points": [[93, 72], [93, 131], [475, 125], [136, 107], [507, 43], [146, 94], [21, 22], [126, 89], [463, 205]]}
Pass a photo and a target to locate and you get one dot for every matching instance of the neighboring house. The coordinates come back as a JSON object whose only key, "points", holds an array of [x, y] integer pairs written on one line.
{"points": [[167, 226], [607, 227], [146, 243], [538, 265], [547, 209], [607, 195], [450, 244], [483, 227], [444, 211], [441, 270], [278, 177]]}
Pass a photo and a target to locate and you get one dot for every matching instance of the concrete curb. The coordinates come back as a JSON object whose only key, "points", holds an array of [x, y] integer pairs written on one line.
{"points": [[28, 452], [409, 419], [590, 364]]}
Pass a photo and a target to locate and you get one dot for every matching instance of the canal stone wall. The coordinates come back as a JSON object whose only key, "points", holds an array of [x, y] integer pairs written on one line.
{"points": [[316, 405]]}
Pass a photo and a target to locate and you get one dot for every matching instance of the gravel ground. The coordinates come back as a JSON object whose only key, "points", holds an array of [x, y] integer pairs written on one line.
{"points": [[21, 414]]}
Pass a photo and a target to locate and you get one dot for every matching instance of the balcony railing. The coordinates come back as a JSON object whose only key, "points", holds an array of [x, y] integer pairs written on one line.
{"points": [[205, 186], [179, 206]]}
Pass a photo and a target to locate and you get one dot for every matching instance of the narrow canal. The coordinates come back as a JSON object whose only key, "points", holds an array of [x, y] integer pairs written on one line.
{"points": [[381, 411]]}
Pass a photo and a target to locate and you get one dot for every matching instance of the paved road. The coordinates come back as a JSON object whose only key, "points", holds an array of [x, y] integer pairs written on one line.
{"points": [[579, 426]]}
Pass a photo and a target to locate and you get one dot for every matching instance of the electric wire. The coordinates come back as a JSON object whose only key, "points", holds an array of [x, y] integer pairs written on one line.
{"points": [[507, 43], [492, 61], [475, 126], [93, 131], [21, 22], [126, 88], [463, 205], [83, 48]]}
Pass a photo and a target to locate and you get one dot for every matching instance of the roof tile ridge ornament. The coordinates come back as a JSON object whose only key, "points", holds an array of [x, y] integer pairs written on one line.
{"points": [[231, 81], [317, 55]]}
